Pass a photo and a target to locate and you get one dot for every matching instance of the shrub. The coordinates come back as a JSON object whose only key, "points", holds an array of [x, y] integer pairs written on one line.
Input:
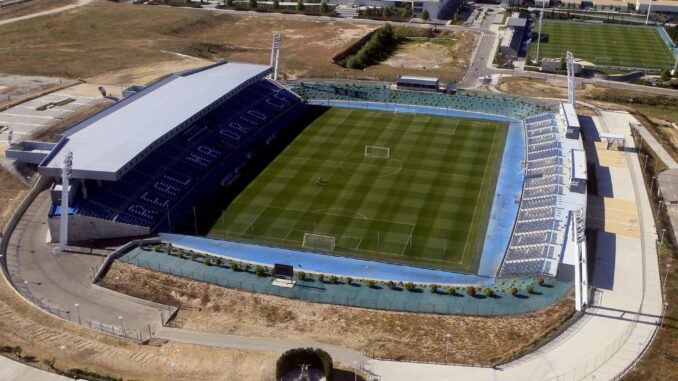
{"points": [[424, 15], [156, 248], [539, 280], [349, 280], [180, 254], [142, 246], [376, 49], [230, 2], [391, 284], [529, 288], [314, 357], [276, 4], [488, 292], [169, 248], [194, 256], [434, 288], [234, 266], [207, 261], [300, 6], [324, 8], [17, 351], [409, 286], [370, 283], [247, 267], [252, 4], [301, 275], [451, 290], [219, 261], [514, 291], [386, 11], [321, 278], [333, 279], [260, 271], [471, 291]]}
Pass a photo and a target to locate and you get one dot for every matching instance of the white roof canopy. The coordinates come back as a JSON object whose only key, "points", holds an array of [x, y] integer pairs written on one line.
{"points": [[104, 145]]}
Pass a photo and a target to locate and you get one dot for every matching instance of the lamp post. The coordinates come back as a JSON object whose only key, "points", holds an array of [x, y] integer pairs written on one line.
{"points": [[652, 184], [447, 345], [666, 275], [122, 325], [355, 370], [77, 309], [666, 307]]}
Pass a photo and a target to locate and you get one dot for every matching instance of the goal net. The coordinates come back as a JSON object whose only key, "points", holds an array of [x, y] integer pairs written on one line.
{"points": [[314, 241], [374, 151]]}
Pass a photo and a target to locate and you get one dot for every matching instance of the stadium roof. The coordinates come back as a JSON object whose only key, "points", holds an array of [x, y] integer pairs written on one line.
{"points": [[106, 145]]}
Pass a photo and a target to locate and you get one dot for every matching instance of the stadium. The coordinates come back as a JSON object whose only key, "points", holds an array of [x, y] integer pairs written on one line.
{"points": [[357, 180]]}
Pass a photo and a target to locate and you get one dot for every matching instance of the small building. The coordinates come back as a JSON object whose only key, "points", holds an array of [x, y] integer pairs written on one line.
{"points": [[512, 38], [409, 82], [578, 175], [661, 6], [571, 120], [552, 65]]}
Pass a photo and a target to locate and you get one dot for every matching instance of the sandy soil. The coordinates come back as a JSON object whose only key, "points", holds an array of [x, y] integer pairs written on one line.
{"points": [[212, 308], [30, 7], [12, 191]]}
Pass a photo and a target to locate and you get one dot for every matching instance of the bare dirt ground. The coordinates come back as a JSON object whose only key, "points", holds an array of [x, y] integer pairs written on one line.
{"points": [[134, 44], [12, 191], [14, 87], [411, 336], [30, 7]]}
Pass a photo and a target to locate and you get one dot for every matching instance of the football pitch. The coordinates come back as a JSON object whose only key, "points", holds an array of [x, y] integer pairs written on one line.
{"points": [[614, 45], [420, 194]]}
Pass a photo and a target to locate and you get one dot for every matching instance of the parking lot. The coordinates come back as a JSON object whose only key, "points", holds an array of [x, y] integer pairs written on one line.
{"points": [[41, 112]]}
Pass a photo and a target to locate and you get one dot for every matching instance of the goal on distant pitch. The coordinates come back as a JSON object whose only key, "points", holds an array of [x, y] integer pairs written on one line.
{"points": [[380, 152], [314, 241]]}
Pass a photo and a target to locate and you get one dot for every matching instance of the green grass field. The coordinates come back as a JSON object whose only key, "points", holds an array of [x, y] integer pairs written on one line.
{"points": [[615, 45], [427, 204]]}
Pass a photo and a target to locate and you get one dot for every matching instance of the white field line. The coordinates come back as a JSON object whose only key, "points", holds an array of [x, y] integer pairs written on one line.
{"points": [[475, 209]]}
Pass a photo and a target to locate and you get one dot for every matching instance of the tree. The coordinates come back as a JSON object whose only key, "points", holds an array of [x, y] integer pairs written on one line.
{"points": [[409, 286], [230, 2], [451, 290], [235, 266], [424, 15], [391, 284], [666, 75], [514, 291], [529, 288], [405, 13], [321, 278], [563, 64], [349, 280], [488, 292], [301, 275], [471, 291], [333, 279], [276, 4], [252, 4], [260, 271], [324, 8], [386, 12], [434, 288], [207, 261], [300, 6], [370, 283], [539, 280], [219, 261]]}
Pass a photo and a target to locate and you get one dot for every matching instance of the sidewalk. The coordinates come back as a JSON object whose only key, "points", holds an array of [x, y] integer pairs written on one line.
{"points": [[15, 371], [648, 138]]}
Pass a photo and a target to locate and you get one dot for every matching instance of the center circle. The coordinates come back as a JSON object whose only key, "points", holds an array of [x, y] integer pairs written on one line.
{"points": [[371, 166]]}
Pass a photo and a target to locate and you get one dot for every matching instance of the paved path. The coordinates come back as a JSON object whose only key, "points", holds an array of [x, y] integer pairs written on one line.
{"points": [[59, 280], [347, 356], [47, 12], [648, 138], [11, 370]]}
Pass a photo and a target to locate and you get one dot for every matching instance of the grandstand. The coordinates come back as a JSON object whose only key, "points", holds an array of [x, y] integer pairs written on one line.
{"points": [[550, 198], [168, 151]]}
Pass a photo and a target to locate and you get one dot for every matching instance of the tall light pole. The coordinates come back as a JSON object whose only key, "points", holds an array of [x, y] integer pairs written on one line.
{"points": [[666, 307], [541, 21], [666, 275], [649, 9], [122, 325], [77, 308]]}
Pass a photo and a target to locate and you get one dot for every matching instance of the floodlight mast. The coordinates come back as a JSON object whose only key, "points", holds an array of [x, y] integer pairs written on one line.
{"points": [[65, 179], [541, 17], [649, 9], [275, 54], [571, 84]]}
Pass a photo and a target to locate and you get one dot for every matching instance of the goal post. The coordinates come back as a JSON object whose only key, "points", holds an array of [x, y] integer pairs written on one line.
{"points": [[314, 241], [379, 152]]}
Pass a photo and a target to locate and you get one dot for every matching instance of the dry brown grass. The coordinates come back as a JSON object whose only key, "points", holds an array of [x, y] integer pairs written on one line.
{"points": [[12, 191], [105, 37], [391, 334]]}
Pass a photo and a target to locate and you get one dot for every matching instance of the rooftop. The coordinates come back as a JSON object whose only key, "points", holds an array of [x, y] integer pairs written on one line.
{"points": [[106, 145], [516, 22]]}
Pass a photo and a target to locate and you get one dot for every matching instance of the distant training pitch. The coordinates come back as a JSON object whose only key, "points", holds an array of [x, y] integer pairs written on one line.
{"points": [[424, 203], [614, 45]]}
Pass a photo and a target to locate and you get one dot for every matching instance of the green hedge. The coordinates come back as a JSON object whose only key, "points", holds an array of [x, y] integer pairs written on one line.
{"points": [[315, 357], [376, 49]]}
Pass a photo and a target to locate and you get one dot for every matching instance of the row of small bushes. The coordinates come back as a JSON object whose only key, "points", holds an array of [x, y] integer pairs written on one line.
{"points": [[382, 43], [262, 271]]}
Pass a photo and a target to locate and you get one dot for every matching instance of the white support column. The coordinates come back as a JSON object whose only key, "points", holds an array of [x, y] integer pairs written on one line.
{"points": [[571, 84], [541, 21], [584, 275], [65, 184], [577, 267], [649, 10]]}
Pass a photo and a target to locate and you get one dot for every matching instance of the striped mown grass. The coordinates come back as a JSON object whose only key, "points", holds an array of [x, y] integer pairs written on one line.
{"points": [[604, 44], [427, 204]]}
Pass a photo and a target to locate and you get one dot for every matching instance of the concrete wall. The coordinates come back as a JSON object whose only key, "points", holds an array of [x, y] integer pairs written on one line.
{"points": [[83, 228]]}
